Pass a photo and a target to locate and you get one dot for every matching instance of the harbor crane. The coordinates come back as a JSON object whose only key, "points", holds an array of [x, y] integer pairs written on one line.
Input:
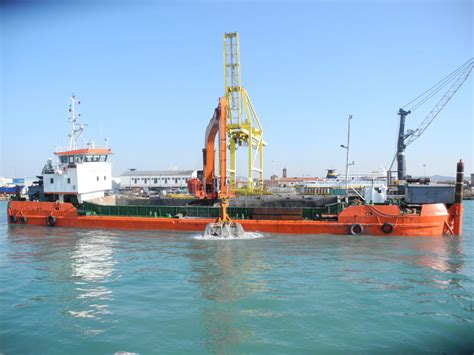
{"points": [[243, 125], [456, 79]]}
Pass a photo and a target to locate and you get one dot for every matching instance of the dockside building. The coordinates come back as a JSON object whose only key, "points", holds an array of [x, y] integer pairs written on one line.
{"points": [[156, 179]]}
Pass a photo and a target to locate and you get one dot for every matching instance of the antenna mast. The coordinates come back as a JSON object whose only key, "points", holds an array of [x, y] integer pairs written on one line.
{"points": [[76, 128]]}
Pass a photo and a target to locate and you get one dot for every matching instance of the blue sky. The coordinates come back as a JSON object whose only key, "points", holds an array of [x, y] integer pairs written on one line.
{"points": [[149, 75]]}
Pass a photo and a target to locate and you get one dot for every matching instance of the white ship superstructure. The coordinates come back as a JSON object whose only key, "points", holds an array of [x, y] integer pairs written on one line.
{"points": [[372, 186], [80, 173], [353, 181]]}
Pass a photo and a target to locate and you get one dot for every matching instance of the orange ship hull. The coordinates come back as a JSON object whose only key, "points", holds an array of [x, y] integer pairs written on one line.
{"points": [[434, 220]]}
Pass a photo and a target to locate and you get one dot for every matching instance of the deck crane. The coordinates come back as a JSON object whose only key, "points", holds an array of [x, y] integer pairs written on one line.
{"points": [[456, 79], [208, 185]]}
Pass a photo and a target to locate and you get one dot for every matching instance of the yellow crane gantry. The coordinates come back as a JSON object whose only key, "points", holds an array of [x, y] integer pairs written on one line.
{"points": [[243, 125]]}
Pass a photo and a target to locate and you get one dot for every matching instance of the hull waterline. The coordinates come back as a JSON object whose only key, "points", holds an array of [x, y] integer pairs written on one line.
{"points": [[434, 220]]}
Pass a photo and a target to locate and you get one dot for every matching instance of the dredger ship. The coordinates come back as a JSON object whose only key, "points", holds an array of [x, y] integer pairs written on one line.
{"points": [[83, 174]]}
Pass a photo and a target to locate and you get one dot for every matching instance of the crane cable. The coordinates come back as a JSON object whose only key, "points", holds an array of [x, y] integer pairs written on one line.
{"points": [[455, 77], [440, 105], [428, 94]]}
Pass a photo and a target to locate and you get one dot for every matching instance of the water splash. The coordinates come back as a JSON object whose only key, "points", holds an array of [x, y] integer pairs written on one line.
{"points": [[244, 236]]}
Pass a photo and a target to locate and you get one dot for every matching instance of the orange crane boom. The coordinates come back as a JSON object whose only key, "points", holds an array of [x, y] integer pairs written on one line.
{"points": [[207, 187]]}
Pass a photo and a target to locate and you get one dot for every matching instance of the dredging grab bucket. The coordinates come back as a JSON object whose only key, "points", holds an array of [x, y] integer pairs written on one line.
{"points": [[224, 230]]}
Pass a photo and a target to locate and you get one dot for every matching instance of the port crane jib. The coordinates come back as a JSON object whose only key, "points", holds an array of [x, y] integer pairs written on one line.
{"points": [[405, 138]]}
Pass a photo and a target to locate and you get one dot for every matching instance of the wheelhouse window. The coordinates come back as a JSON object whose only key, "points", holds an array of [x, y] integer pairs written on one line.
{"points": [[63, 159], [71, 159]]}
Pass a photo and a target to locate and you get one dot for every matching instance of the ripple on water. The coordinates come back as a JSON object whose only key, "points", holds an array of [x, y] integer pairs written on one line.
{"points": [[75, 291]]}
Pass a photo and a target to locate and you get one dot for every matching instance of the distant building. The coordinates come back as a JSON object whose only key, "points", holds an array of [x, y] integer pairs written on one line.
{"points": [[5, 181], [12, 190], [26, 181], [241, 183], [158, 180], [115, 184], [284, 173]]}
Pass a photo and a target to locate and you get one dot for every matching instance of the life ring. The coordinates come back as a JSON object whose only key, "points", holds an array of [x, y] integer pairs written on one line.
{"points": [[387, 228], [356, 229], [12, 219], [51, 220], [23, 220]]}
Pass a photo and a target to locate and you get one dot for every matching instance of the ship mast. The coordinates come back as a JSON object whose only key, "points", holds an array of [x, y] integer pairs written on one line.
{"points": [[76, 128]]}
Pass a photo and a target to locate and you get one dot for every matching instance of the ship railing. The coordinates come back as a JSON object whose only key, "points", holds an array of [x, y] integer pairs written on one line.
{"points": [[65, 148], [308, 213]]}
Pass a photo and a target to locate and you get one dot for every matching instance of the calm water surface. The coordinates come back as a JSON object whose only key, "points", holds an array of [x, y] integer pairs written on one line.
{"points": [[70, 291]]}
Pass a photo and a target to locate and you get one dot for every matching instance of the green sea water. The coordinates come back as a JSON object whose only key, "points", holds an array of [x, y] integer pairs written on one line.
{"points": [[71, 291]]}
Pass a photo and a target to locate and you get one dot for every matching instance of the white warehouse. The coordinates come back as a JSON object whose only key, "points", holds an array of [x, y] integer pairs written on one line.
{"points": [[159, 180]]}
